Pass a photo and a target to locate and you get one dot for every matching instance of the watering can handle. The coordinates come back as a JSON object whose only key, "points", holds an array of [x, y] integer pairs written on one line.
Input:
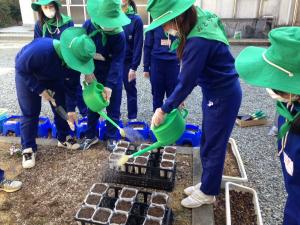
{"points": [[184, 112], [87, 84]]}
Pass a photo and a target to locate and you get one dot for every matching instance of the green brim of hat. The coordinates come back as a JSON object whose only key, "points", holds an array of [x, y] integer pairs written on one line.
{"points": [[74, 63], [254, 70], [36, 5], [169, 16]]}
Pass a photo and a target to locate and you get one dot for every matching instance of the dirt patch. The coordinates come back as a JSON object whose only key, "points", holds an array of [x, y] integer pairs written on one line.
{"points": [[220, 210], [54, 189], [231, 167]]}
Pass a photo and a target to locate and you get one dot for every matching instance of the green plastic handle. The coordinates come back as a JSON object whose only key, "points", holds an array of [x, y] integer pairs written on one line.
{"points": [[149, 148], [184, 113], [105, 116]]}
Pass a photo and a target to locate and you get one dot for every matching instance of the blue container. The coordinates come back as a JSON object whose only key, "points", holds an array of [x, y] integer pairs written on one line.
{"points": [[12, 124], [102, 130], [44, 127], [191, 136], [141, 127], [81, 127], [3, 118]]}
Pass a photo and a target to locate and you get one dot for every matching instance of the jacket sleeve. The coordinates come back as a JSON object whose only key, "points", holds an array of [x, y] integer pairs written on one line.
{"points": [[137, 44], [148, 45], [117, 51], [37, 30], [71, 84], [194, 60]]}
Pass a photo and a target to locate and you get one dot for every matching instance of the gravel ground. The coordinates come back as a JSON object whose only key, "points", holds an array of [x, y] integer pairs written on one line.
{"points": [[258, 150]]}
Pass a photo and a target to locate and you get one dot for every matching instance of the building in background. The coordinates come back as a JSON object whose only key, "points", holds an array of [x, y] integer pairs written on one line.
{"points": [[247, 16]]}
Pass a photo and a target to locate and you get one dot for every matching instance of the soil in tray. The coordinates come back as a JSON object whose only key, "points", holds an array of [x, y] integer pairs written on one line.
{"points": [[124, 206], [159, 199], [119, 151], [131, 160], [151, 222], [118, 218], [123, 145], [170, 150], [128, 194], [168, 157], [99, 188], [156, 212], [167, 164], [231, 167], [141, 161], [86, 213], [93, 199], [102, 215]]}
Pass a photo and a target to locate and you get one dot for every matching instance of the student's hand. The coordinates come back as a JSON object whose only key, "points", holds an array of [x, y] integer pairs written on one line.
{"points": [[158, 118], [48, 97], [182, 105], [131, 75], [72, 119], [146, 75], [89, 78], [106, 93]]}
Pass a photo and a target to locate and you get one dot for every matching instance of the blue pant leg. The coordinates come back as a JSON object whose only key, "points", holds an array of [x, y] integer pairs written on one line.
{"points": [[218, 122], [131, 92], [171, 76], [30, 105], [63, 129], [157, 83], [113, 111], [1, 175], [80, 102], [93, 119], [291, 211]]}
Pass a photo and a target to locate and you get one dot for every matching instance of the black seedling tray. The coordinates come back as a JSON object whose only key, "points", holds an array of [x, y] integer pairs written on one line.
{"points": [[138, 212], [151, 179]]}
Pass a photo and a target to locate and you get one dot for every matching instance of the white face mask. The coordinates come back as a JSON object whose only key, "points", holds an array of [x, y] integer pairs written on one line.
{"points": [[172, 32], [49, 13], [107, 29]]}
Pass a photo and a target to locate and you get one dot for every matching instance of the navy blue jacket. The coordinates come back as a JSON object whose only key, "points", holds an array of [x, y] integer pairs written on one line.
{"points": [[38, 62], [110, 70], [206, 63], [134, 40], [156, 46], [38, 30]]}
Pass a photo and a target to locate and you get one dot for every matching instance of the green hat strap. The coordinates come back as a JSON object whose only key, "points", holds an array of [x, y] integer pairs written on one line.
{"points": [[283, 111], [54, 22]]}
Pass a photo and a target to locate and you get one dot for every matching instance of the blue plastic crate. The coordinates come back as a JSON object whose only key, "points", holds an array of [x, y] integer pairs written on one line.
{"points": [[44, 127], [81, 127], [191, 136], [141, 127], [12, 124], [3, 118], [102, 130]]}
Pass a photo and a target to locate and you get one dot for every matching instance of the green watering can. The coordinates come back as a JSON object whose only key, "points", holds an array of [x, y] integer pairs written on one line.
{"points": [[166, 134], [92, 96]]}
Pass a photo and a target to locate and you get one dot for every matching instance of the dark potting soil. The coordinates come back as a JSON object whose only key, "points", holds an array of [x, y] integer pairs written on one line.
{"points": [[141, 161], [159, 199], [170, 150], [219, 209], [124, 206], [102, 215], [119, 151], [242, 208], [99, 188], [118, 218], [86, 213], [128, 194], [123, 145], [93, 199], [151, 222], [156, 211], [168, 157], [167, 164], [231, 167]]}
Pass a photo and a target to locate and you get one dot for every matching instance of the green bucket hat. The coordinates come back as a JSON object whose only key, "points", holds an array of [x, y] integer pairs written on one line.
{"points": [[78, 50], [36, 5], [107, 13], [163, 11], [277, 67]]}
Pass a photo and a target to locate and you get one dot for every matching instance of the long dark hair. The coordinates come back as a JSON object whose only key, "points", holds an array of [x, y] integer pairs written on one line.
{"points": [[42, 18], [185, 22], [133, 5]]}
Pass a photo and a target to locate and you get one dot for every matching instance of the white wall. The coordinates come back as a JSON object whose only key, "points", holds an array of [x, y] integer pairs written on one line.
{"points": [[27, 12]]}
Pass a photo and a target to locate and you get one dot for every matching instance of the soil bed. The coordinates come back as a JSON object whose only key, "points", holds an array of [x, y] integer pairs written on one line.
{"points": [[231, 167], [156, 211], [86, 213], [124, 205], [102, 215], [93, 199], [118, 218], [99, 188]]}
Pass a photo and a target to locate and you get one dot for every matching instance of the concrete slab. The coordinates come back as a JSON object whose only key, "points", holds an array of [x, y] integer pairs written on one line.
{"points": [[39, 141], [203, 215], [245, 42]]}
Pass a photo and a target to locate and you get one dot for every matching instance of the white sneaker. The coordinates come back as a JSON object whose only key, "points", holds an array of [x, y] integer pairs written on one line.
{"points": [[189, 190], [28, 158], [70, 143], [10, 185], [197, 199]]}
